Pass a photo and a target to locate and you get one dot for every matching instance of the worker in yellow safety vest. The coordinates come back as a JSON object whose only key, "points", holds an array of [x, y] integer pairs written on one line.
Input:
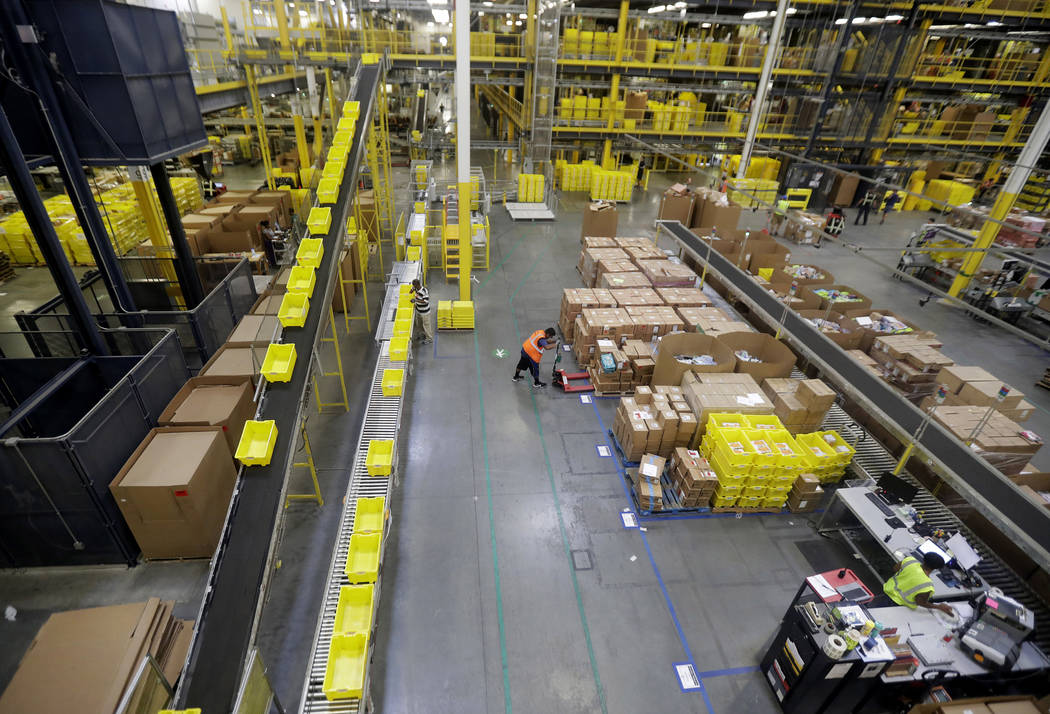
{"points": [[911, 585], [532, 353]]}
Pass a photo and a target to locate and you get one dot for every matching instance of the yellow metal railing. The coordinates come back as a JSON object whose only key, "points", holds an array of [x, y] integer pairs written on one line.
{"points": [[688, 54], [980, 129]]}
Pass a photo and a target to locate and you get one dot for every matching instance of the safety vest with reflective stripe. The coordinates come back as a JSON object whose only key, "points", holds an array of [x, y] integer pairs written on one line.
{"points": [[907, 583], [532, 345], [834, 224]]}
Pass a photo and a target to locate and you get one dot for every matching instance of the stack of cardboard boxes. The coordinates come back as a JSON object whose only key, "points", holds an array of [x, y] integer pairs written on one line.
{"points": [[653, 421], [612, 323], [632, 279], [974, 386], [654, 321], [636, 296], [574, 300], [1001, 442], [692, 479], [910, 363], [805, 495], [611, 371], [708, 394], [587, 266], [647, 484], [599, 219], [85, 660], [800, 404], [640, 355], [683, 297], [665, 273], [677, 204]]}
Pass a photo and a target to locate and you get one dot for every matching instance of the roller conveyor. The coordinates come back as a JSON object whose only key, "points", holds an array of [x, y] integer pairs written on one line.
{"points": [[382, 420]]}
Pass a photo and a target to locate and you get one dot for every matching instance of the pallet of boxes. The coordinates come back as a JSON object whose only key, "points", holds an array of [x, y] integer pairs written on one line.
{"points": [[910, 363]]}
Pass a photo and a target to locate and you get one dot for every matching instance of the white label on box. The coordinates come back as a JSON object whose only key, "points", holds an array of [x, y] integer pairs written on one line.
{"points": [[638, 414], [687, 676], [629, 520], [649, 470], [863, 321], [585, 398], [838, 671]]}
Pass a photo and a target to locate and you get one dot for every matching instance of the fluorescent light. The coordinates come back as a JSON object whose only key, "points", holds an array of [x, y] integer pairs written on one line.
{"points": [[430, 24], [440, 16], [522, 16], [679, 4], [894, 18], [756, 15], [792, 10], [656, 8], [993, 23], [840, 21], [705, 24], [443, 41], [481, 14], [518, 23], [487, 3], [510, 23]]}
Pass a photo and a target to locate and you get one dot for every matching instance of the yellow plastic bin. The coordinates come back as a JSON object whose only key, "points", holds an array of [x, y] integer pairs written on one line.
{"points": [[319, 220], [399, 349], [353, 613], [294, 309], [393, 379], [257, 441], [310, 252], [719, 420], [301, 279], [369, 515], [380, 457], [362, 559], [765, 456], [764, 421], [402, 328], [843, 452], [344, 677], [279, 362], [328, 190]]}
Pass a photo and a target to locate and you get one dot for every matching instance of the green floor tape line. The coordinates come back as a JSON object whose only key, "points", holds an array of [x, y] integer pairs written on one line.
{"points": [[492, 535], [557, 508]]}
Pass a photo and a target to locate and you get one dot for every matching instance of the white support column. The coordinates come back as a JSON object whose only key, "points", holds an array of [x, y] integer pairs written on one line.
{"points": [[462, 86], [772, 49]]}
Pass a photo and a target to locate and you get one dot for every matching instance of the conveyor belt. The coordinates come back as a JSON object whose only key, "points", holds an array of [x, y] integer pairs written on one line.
{"points": [[382, 420], [229, 614], [986, 489]]}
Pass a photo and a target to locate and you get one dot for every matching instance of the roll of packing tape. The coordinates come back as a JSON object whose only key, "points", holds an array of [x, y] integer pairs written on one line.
{"points": [[829, 628], [852, 637], [835, 647]]}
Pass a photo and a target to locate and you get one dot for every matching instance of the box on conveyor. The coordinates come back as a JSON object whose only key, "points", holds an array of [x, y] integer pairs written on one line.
{"points": [[838, 328], [226, 402], [877, 323], [1001, 442], [175, 489]]}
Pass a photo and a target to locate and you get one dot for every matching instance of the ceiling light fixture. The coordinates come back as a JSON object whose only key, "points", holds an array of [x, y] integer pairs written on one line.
{"points": [[656, 8]]}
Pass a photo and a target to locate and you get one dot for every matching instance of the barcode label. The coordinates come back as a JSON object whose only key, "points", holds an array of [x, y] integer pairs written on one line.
{"points": [[629, 520], [687, 676], [585, 398], [603, 451]]}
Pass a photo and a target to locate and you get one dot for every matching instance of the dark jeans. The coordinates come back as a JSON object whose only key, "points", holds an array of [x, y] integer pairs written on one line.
{"points": [[530, 364], [862, 212]]}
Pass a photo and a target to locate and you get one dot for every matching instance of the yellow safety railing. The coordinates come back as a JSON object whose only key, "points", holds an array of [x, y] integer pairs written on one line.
{"points": [[982, 129], [681, 53]]}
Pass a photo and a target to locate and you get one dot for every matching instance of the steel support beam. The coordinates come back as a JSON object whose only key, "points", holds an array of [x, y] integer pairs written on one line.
{"points": [[185, 266], [46, 239], [829, 81]]}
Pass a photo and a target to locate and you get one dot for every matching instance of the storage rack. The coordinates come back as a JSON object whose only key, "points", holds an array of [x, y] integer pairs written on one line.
{"points": [[382, 420], [240, 569]]}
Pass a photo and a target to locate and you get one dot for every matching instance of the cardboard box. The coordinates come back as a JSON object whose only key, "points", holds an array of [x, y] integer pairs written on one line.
{"points": [[234, 197], [197, 221], [266, 304], [670, 369], [651, 468], [804, 502], [235, 362], [225, 402], [253, 330], [815, 395], [222, 210], [955, 376], [635, 105], [174, 491], [987, 394], [822, 292], [599, 219], [665, 273], [838, 328], [1019, 707], [1034, 485], [677, 204], [777, 360], [281, 200], [809, 275]]}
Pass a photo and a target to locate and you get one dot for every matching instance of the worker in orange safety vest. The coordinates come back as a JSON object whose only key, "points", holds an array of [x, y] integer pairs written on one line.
{"points": [[532, 352]]}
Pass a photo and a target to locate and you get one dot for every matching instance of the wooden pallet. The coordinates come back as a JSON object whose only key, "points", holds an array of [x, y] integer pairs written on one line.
{"points": [[612, 394], [743, 509], [1045, 381]]}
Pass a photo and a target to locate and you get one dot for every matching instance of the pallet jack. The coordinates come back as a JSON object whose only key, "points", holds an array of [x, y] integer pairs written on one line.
{"points": [[564, 380]]}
